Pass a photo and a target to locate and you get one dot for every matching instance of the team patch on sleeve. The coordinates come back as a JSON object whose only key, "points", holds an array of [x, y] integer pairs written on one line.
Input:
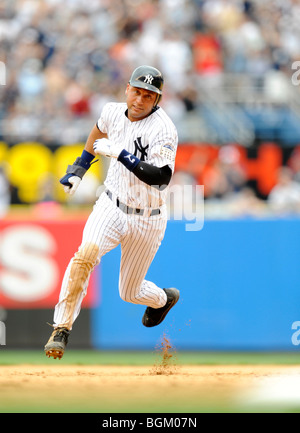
{"points": [[167, 151]]}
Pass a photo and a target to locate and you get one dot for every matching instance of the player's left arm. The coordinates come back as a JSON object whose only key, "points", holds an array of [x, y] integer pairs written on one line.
{"points": [[158, 169], [156, 172], [157, 177]]}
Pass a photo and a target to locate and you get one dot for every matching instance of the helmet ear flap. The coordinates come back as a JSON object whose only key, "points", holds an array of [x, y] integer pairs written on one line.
{"points": [[157, 100]]}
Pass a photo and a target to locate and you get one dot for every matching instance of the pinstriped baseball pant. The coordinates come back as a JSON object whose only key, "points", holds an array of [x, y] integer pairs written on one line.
{"points": [[106, 228]]}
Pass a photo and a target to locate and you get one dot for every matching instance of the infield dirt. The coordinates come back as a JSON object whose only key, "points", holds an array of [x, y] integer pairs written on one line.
{"points": [[113, 389]]}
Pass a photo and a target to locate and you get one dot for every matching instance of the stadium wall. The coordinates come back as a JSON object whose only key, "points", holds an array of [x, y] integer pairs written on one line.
{"points": [[239, 283]]}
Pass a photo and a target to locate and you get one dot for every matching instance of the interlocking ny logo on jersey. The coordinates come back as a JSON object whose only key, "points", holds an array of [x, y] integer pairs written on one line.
{"points": [[138, 147], [148, 79]]}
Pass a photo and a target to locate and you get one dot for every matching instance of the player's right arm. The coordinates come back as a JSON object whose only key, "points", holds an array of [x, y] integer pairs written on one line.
{"points": [[77, 170], [94, 135]]}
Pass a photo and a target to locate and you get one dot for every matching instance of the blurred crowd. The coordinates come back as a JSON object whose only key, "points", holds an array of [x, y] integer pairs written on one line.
{"points": [[227, 191], [65, 59]]}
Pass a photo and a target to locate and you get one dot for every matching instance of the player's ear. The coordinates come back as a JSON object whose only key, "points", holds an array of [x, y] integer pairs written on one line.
{"points": [[127, 88]]}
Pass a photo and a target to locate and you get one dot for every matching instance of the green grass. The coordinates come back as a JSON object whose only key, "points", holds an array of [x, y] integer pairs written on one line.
{"points": [[94, 357]]}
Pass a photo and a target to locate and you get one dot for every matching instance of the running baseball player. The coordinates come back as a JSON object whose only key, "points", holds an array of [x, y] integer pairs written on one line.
{"points": [[141, 142]]}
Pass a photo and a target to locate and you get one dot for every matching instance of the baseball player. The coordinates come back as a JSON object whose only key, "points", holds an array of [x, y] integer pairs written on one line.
{"points": [[141, 142]]}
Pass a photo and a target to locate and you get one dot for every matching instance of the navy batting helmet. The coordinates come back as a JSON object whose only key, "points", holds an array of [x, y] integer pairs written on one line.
{"points": [[149, 78]]}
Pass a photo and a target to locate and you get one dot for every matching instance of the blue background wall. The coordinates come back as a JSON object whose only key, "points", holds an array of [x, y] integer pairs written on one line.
{"points": [[239, 283]]}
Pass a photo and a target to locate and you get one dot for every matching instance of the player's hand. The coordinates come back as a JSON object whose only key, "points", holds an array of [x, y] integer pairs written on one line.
{"points": [[105, 147], [70, 183]]}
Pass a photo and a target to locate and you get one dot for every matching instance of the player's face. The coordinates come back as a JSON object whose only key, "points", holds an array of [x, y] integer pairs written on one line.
{"points": [[140, 102]]}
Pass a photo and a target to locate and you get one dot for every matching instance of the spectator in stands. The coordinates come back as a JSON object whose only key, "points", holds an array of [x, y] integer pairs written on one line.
{"points": [[284, 198], [294, 164]]}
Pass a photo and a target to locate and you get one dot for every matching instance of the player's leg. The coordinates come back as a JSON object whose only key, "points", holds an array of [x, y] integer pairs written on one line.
{"points": [[138, 251], [102, 233], [74, 285], [139, 247]]}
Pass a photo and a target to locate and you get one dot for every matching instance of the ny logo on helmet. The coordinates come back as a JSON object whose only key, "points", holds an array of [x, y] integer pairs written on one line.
{"points": [[148, 79]]}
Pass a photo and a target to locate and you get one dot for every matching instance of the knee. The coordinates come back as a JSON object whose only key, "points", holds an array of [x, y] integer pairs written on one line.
{"points": [[131, 294], [126, 295], [86, 258]]}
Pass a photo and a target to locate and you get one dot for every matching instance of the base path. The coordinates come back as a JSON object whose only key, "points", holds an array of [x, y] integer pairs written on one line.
{"points": [[148, 389]]}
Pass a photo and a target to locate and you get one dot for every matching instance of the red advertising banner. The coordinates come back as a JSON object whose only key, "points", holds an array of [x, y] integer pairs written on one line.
{"points": [[33, 259]]}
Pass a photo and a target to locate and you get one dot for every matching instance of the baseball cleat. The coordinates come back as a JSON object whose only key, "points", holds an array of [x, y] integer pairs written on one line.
{"points": [[154, 316], [57, 343]]}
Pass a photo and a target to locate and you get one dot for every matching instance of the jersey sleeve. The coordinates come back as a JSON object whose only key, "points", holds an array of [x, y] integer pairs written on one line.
{"points": [[163, 150], [103, 121]]}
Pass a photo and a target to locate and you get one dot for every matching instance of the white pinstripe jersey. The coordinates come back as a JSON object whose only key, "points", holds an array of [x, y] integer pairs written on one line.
{"points": [[153, 140]]}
